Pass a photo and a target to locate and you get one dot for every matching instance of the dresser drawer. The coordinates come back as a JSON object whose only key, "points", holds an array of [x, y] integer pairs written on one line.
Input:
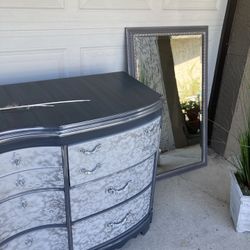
{"points": [[104, 156], [108, 225], [44, 239], [29, 180], [98, 195], [31, 210], [30, 158]]}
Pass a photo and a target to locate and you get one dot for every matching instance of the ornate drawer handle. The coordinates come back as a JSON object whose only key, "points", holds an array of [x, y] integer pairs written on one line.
{"points": [[148, 148], [111, 225], [113, 190], [149, 131], [28, 242], [20, 182], [89, 152], [92, 171], [24, 203], [16, 160]]}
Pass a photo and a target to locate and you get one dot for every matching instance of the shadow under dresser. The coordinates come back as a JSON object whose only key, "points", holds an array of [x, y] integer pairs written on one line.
{"points": [[77, 162]]}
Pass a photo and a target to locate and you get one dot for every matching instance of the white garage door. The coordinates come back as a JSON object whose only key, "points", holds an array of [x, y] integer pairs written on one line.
{"points": [[46, 39]]}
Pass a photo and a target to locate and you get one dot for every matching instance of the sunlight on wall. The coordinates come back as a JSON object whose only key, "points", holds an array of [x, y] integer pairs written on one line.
{"points": [[188, 66]]}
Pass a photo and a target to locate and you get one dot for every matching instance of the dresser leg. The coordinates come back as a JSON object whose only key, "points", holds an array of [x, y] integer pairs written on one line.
{"points": [[147, 226], [145, 230]]}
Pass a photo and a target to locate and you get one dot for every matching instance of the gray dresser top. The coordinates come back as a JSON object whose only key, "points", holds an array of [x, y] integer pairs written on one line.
{"points": [[109, 94]]}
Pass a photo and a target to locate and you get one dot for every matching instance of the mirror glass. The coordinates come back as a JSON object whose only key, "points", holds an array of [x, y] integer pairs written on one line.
{"points": [[173, 64]]}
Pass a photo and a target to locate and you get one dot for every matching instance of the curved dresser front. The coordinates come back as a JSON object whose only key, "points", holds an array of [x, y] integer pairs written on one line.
{"points": [[72, 179]]}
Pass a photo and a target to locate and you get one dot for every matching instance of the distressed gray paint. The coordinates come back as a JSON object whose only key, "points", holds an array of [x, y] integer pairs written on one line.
{"points": [[43, 208]]}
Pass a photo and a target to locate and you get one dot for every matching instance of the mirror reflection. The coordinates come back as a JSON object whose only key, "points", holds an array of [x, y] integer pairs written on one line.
{"points": [[172, 66]]}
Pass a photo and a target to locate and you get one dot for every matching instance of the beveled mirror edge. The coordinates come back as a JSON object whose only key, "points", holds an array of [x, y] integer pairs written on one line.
{"points": [[130, 32]]}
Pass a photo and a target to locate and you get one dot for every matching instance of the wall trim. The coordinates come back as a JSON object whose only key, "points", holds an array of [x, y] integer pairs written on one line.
{"points": [[32, 4]]}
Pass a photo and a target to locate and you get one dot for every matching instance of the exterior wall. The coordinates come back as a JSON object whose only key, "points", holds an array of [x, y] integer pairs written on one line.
{"points": [[241, 114], [227, 119], [60, 38]]}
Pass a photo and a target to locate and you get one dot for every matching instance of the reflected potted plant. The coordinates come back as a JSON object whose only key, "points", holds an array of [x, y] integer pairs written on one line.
{"points": [[192, 110], [240, 186]]}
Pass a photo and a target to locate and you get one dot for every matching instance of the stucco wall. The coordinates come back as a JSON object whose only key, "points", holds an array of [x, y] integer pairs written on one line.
{"points": [[235, 73], [241, 113]]}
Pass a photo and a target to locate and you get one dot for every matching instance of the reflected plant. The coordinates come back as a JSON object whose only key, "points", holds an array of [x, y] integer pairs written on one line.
{"points": [[191, 109], [190, 106]]}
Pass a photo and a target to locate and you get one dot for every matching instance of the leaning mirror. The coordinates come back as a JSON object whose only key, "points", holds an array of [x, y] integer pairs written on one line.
{"points": [[173, 62]]}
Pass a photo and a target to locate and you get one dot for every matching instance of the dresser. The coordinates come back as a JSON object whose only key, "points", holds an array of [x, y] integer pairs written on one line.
{"points": [[77, 162]]}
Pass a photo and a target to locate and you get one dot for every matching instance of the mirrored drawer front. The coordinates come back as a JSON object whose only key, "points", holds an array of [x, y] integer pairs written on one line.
{"points": [[44, 239], [102, 194], [29, 180], [104, 156], [108, 225], [30, 158], [31, 210]]}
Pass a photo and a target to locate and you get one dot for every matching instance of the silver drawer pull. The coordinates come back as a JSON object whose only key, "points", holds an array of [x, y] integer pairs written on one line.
{"points": [[28, 242], [92, 151], [20, 182], [16, 160], [113, 190], [149, 131], [111, 225], [148, 148], [24, 203], [92, 171]]}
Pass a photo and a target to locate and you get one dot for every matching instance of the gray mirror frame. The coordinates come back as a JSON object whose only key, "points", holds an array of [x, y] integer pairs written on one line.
{"points": [[163, 31]]}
